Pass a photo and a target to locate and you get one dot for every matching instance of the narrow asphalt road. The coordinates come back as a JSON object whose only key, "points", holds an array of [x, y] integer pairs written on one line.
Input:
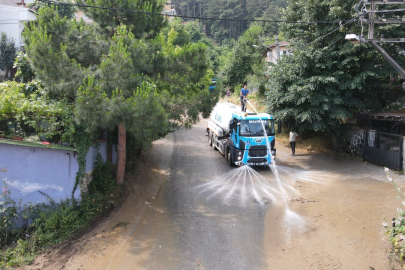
{"points": [[188, 227], [188, 209]]}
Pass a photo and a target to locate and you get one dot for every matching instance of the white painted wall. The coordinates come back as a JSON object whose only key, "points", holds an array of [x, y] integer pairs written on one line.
{"points": [[272, 55], [12, 19]]}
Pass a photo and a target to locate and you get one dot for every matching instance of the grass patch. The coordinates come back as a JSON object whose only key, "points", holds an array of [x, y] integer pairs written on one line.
{"points": [[255, 99], [317, 143]]}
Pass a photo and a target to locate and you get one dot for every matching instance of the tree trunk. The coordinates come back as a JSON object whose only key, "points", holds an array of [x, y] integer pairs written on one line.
{"points": [[121, 149], [6, 75]]}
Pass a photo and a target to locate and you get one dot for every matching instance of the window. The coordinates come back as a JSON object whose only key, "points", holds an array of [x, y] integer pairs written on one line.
{"points": [[254, 128]]}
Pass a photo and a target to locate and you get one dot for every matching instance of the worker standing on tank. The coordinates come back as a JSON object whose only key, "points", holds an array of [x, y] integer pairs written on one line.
{"points": [[243, 95]]}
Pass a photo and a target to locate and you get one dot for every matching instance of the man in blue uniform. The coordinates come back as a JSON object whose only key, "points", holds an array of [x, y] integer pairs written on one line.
{"points": [[243, 95]]}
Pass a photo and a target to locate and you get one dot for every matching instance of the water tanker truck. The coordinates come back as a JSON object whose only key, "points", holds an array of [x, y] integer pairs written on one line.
{"points": [[240, 137]]}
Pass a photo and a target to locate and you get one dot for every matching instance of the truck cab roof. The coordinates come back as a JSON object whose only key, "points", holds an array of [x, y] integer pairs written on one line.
{"points": [[252, 116]]}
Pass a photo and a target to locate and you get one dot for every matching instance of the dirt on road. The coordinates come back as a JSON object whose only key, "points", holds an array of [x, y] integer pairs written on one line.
{"points": [[343, 203], [335, 214]]}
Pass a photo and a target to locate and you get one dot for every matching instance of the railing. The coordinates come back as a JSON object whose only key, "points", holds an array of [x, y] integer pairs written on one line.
{"points": [[384, 149]]}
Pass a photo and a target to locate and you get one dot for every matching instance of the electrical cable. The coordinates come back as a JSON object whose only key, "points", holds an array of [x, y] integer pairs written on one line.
{"points": [[189, 17], [330, 33], [224, 19]]}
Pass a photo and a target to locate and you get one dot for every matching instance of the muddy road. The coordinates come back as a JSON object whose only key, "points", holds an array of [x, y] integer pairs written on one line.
{"points": [[185, 212]]}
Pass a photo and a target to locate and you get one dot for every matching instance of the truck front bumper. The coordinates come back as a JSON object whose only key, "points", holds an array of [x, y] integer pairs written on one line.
{"points": [[264, 161], [241, 163]]}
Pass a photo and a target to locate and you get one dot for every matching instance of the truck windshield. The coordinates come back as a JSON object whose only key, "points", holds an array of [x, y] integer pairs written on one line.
{"points": [[255, 128]]}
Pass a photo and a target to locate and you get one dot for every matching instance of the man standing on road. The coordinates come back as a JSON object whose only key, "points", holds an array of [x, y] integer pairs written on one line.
{"points": [[243, 94], [293, 139]]}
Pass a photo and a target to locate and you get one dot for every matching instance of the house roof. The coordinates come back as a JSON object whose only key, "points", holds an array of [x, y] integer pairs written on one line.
{"points": [[387, 116], [282, 43], [26, 15]]}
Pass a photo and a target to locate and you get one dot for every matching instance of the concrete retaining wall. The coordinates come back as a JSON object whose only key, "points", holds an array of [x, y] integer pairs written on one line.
{"points": [[27, 169]]}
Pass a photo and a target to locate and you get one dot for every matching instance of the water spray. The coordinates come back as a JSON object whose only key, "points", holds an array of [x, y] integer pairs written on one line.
{"points": [[291, 218]]}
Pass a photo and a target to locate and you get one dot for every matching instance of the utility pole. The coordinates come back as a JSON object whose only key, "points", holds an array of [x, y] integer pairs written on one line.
{"points": [[372, 21], [371, 24], [277, 48]]}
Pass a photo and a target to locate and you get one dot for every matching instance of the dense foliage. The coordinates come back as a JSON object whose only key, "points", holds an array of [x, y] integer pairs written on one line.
{"points": [[243, 58], [67, 11], [7, 54], [326, 80], [30, 106], [24, 70], [121, 72], [233, 10]]}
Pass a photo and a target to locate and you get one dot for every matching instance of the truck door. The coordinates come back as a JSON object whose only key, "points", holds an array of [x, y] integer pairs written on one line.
{"points": [[235, 130]]}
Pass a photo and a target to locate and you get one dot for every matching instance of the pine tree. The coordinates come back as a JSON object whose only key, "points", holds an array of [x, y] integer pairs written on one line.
{"points": [[120, 71], [8, 53], [64, 9]]}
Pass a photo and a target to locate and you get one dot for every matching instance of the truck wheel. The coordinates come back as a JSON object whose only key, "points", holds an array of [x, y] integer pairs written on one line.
{"points": [[213, 142], [228, 156], [209, 139]]}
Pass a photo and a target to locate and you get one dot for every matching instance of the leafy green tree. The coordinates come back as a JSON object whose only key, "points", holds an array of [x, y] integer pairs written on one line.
{"points": [[271, 13], [7, 54], [231, 9], [121, 72], [36, 110], [183, 36], [24, 70], [141, 24], [67, 10], [244, 56], [326, 80]]}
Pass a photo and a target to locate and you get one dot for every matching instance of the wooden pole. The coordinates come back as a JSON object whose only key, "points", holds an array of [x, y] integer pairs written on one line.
{"points": [[121, 149]]}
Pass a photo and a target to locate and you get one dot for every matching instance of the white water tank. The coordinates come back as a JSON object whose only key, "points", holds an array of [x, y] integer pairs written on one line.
{"points": [[222, 114]]}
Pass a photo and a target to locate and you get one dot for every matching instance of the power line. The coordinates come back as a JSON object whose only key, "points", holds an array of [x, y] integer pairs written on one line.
{"points": [[188, 17], [328, 34]]}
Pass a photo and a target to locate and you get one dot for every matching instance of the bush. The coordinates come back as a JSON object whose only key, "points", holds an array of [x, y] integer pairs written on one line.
{"points": [[8, 212], [396, 231], [102, 178], [262, 90]]}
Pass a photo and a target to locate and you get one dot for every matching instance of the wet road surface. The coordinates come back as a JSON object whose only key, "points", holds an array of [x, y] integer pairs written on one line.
{"points": [[188, 209], [186, 227]]}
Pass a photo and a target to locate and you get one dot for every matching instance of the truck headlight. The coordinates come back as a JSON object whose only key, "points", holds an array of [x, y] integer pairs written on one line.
{"points": [[239, 158]]}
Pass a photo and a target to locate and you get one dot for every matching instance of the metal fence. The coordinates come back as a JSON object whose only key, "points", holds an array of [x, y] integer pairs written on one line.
{"points": [[383, 149]]}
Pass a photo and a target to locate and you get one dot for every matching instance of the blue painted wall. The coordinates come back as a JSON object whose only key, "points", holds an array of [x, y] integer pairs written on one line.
{"points": [[28, 169], [91, 155]]}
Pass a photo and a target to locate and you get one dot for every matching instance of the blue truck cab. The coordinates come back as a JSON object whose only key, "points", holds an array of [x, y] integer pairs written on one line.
{"points": [[247, 141], [244, 138]]}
